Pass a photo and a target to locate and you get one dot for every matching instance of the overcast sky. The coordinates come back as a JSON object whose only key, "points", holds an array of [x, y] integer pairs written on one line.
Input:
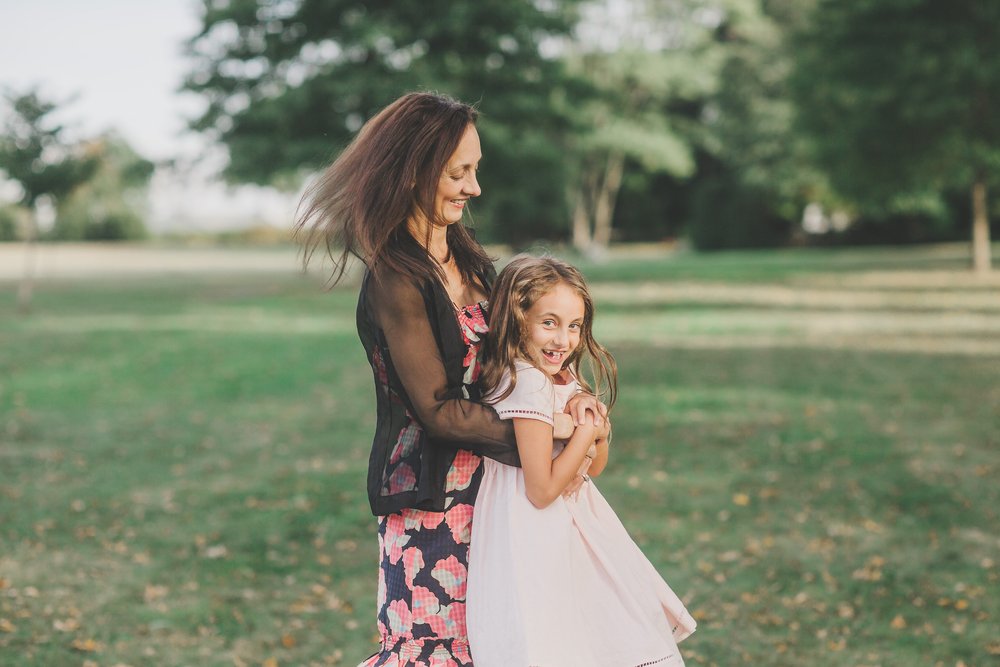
{"points": [[123, 62]]}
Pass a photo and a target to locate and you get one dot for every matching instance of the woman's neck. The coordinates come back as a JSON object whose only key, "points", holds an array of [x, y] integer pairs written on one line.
{"points": [[437, 244]]}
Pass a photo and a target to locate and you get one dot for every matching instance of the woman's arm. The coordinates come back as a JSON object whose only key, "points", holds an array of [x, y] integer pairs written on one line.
{"points": [[600, 459], [581, 403], [398, 309], [545, 478]]}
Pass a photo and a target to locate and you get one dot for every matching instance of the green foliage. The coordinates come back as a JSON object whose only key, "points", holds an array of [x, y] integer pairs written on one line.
{"points": [[899, 96], [755, 177], [110, 206], [640, 112], [12, 221], [729, 214], [34, 154], [288, 84]]}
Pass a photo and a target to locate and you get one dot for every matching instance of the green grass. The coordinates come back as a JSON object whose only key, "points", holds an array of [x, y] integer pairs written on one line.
{"points": [[182, 466]]}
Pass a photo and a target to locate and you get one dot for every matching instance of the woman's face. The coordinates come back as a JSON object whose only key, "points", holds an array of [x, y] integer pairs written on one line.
{"points": [[458, 182]]}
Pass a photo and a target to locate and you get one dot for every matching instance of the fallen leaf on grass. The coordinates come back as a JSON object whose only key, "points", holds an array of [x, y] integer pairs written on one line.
{"points": [[6, 626], [68, 625], [153, 593], [216, 551], [270, 662], [288, 641], [86, 645], [741, 499], [898, 623]]}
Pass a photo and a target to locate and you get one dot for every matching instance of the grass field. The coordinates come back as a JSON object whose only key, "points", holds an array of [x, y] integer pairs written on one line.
{"points": [[807, 446]]}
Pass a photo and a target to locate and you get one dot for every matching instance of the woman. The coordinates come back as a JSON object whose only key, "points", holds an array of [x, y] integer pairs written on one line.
{"points": [[393, 199]]}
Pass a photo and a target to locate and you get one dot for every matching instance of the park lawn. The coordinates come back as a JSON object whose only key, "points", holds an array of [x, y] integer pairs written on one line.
{"points": [[182, 465]]}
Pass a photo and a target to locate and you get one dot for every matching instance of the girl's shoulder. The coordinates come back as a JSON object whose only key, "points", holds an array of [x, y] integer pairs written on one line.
{"points": [[533, 395]]}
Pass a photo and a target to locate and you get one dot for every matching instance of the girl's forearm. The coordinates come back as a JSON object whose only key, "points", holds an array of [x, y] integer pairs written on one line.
{"points": [[563, 469]]}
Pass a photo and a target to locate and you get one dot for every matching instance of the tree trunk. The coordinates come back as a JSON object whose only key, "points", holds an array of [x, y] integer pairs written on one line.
{"points": [[26, 288], [581, 220], [604, 208], [980, 228]]}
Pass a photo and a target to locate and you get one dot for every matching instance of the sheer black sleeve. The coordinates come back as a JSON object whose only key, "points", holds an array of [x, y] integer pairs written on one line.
{"points": [[399, 309]]}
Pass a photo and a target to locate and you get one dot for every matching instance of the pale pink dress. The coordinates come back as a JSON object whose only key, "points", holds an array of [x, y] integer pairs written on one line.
{"points": [[563, 586]]}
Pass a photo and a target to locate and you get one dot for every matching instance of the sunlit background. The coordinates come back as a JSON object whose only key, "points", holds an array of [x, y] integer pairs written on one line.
{"points": [[783, 207]]}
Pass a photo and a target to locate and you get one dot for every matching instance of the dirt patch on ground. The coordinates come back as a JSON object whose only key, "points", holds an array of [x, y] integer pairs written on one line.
{"points": [[98, 259]]}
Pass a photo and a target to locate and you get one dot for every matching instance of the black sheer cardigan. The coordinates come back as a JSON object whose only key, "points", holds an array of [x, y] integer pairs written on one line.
{"points": [[413, 329]]}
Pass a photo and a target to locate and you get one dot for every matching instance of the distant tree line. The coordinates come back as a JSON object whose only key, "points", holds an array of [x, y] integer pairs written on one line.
{"points": [[733, 123], [721, 120], [94, 188]]}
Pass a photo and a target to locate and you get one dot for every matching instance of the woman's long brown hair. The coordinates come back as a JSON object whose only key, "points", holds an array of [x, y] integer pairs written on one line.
{"points": [[390, 171], [521, 283]]}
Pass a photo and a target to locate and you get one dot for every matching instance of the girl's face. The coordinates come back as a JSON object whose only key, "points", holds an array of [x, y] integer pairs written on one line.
{"points": [[554, 322], [458, 182]]}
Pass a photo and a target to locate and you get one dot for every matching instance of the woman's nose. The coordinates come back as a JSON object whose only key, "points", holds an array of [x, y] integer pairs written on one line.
{"points": [[472, 185]]}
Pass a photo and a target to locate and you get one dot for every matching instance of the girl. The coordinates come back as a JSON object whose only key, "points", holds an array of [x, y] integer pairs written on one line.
{"points": [[576, 590]]}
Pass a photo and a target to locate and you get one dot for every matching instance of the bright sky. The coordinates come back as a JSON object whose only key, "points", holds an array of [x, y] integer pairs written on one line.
{"points": [[123, 61]]}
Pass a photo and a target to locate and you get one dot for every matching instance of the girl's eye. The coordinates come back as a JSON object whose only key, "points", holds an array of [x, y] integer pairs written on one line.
{"points": [[575, 326], [548, 323]]}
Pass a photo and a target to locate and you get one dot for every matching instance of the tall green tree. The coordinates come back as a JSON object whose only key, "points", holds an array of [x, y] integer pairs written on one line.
{"points": [[289, 82], [35, 154], [647, 71], [901, 97], [755, 176]]}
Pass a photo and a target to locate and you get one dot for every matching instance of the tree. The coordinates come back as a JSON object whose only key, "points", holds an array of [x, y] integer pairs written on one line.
{"points": [[34, 154], [110, 206], [900, 97], [755, 176], [655, 64], [289, 83]]}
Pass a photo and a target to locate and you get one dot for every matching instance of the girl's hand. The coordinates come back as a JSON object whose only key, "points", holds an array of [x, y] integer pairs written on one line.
{"points": [[579, 405], [562, 426]]}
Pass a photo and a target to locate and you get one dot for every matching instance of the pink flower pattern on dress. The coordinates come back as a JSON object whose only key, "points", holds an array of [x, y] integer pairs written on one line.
{"points": [[413, 562], [394, 541], [472, 322], [399, 616], [459, 521], [452, 575], [462, 469], [420, 519], [421, 620], [402, 479], [405, 443]]}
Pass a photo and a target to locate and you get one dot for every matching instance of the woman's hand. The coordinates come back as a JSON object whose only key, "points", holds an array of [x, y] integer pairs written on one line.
{"points": [[562, 426], [581, 404]]}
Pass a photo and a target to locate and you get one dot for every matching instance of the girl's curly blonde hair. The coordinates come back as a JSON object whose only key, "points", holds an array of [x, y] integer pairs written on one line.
{"points": [[519, 285]]}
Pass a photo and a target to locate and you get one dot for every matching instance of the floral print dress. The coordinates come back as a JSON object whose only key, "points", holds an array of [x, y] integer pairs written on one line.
{"points": [[425, 555]]}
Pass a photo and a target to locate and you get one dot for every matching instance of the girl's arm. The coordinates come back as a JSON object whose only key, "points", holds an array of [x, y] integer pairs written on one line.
{"points": [[545, 478]]}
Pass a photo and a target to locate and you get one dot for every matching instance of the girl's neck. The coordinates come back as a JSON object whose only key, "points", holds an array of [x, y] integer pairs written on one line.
{"points": [[562, 377]]}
